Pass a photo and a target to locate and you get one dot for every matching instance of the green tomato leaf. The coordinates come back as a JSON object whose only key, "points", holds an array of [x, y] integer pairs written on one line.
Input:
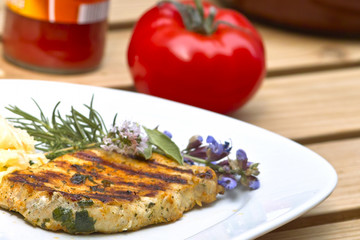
{"points": [[165, 144]]}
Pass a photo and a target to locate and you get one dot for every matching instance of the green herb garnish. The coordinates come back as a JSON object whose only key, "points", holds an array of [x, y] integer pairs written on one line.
{"points": [[86, 203], [82, 223], [75, 131], [62, 134], [65, 216], [165, 144], [78, 178], [106, 183]]}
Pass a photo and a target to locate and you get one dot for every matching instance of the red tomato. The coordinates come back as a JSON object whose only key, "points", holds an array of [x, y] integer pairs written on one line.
{"points": [[219, 71]]}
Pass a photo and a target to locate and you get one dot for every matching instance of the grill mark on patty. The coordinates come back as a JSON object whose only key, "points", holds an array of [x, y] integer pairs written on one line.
{"points": [[78, 168], [158, 186], [42, 179], [100, 168], [152, 187], [104, 196], [38, 178], [161, 176], [22, 178], [107, 196], [153, 162], [47, 174]]}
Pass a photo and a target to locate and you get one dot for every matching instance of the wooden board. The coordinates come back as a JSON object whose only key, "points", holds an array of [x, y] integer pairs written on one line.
{"points": [[290, 52], [127, 12], [344, 156], [308, 107], [348, 230]]}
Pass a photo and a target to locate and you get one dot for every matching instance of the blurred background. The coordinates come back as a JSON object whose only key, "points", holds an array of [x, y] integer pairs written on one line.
{"points": [[310, 93]]}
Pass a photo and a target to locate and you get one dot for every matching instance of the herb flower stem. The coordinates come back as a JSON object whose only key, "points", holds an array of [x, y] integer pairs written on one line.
{"points": [[203, 161]]}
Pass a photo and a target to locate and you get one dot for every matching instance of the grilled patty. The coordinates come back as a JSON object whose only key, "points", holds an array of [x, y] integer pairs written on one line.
{"points": [[96, 191]]}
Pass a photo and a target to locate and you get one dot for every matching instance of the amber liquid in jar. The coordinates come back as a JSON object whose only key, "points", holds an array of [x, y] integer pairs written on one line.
{"points": [[53, 47]]}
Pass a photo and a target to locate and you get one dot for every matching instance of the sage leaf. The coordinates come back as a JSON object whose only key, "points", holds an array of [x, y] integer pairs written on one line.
{"points": [[147, 152], [165, 144]]}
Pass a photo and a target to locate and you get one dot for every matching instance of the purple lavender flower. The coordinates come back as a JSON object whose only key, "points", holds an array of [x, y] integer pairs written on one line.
{"points": [[225, 165], [227, 182], [167, 133], [242, 159], [194, 142], [216, 151], [254, 183], [241, 155], [199, 152], [213, 151], [250, 182]]}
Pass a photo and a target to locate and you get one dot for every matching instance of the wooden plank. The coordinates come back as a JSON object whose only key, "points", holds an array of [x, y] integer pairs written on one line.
{"points": [[127, 12], [344, 157], [291, 52], [341, 230], [308, 107], [113, 72]]}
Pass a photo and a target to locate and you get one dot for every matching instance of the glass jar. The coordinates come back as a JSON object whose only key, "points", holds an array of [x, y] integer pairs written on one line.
{"points": [[58, 36]]}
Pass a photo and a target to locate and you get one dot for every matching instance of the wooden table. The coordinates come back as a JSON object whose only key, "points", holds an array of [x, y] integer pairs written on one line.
{"points": [[311, 95]]}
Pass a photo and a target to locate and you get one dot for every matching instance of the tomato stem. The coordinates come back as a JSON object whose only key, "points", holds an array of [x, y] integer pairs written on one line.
{"points": [[206, 26], [200, 9], [194, 18]]}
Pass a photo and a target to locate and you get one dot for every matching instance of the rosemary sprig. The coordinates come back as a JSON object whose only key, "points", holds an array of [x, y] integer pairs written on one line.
{"points": [[62, 134], [75, 131]]}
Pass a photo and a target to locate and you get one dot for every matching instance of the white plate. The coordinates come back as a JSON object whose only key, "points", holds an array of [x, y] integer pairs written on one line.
{"points": [[293, 178]]}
